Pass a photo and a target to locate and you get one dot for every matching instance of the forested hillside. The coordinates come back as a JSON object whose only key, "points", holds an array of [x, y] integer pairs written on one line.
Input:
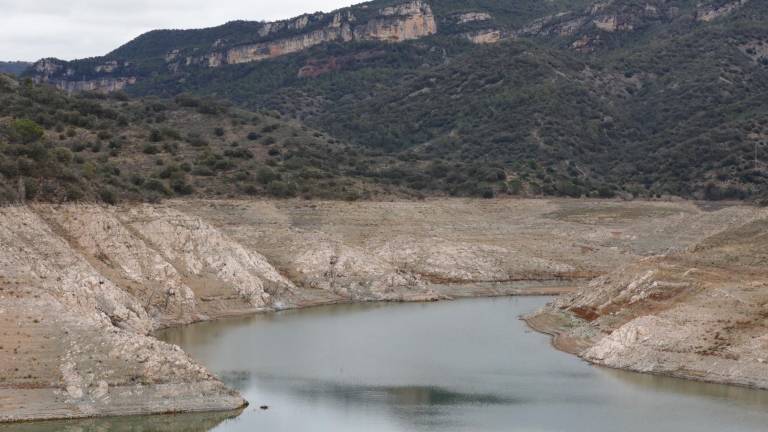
{"points": [[482, 97]]}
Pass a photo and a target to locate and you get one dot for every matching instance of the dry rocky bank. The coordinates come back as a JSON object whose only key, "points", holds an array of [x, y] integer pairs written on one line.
{"points": [[83, 286], [700, 313]]}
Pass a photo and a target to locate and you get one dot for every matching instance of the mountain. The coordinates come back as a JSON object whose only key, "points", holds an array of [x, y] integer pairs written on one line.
{"points": [[563, 97], [14, 67]]}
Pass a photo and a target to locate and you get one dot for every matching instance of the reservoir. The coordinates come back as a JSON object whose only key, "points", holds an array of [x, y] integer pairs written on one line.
{"points": [[468, 365]]}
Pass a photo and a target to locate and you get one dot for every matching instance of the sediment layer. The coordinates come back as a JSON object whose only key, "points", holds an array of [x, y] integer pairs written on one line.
{"points": [[699, 313], [83, 286]]}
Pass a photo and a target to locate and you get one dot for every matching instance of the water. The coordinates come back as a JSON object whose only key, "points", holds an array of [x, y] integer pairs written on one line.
{"points": [[469, 365]]}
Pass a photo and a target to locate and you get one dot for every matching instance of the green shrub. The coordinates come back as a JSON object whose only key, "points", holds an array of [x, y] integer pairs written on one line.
{"points": [[108, 196], [156, 186], [26, 131], [266, 175], [62, 155], [181, 187], [280, 189]]}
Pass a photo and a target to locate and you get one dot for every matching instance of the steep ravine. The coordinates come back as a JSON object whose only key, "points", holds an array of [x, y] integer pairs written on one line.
{"points": [[83, 286]]}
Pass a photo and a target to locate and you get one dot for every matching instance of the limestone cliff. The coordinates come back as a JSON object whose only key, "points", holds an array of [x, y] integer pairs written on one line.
{"points": [[99, 78], [399, 23], [253, 42]]}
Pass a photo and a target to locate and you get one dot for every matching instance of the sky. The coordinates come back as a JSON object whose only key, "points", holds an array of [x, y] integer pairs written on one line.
{"points": [[35, 29]]}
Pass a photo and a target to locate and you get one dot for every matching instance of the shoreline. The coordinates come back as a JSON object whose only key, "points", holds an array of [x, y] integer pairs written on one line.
{"points": [[513, 292], [89, 285], [539, 324]]}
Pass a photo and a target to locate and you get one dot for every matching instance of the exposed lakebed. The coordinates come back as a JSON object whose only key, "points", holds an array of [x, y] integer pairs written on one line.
{"points": [[468, 365]]}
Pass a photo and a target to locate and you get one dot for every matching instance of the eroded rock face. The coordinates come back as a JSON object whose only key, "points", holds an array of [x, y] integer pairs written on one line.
{"points": [[472, 17], [58, 74], [487, 36], [210, 259], [588, 24], [709, 13], [698, 313], [82, 349], [399, 23], [33, 256], [120, 252]]}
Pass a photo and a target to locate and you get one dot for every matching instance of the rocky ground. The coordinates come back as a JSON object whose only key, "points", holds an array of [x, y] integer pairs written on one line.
{"points": [[699, 313], [83, 286]]}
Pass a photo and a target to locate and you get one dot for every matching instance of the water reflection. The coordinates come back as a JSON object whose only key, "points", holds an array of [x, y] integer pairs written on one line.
{"points": [[666, 385], [460, 366], [198, 422]]}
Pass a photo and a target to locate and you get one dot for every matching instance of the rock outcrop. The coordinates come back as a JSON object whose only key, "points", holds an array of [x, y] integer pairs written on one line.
{"points": [[100, 79], [697, 314], [709, 13], [410, 20], [82, 348], [399, 23]]}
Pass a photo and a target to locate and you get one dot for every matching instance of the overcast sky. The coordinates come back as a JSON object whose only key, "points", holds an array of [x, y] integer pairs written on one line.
{"points": [[34, 29]]}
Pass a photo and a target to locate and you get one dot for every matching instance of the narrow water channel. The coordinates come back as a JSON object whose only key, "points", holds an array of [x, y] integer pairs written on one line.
{"points": [[468, 365]]}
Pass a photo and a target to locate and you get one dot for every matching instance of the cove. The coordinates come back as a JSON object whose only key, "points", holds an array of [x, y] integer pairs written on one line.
{"points": [[468, 365]]}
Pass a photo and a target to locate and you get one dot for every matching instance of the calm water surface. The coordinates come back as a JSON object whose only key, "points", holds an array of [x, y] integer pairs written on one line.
{"points": [[469, 365]]}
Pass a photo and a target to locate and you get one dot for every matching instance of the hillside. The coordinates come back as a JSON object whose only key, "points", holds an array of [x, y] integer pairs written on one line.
{"points": [[568, 97], [58, 147]]}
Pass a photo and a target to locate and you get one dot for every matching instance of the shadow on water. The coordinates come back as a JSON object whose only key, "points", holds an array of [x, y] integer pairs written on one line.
{"points": [[195, 422]]}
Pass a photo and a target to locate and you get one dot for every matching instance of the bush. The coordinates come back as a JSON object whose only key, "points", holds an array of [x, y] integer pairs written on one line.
{"points": [[266, 175], [63, 155], [156, 186], [195, 140], [181, 187], [187, 100], [108, 196], [31, 188], [203, 171], [239, 154], [270, 128], [73, 192], [150, 149], [26, 131], [155, 135], [281, 189]]}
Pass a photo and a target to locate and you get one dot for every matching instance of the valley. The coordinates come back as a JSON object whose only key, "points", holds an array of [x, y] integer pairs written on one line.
{"points": [[85, 285], [169, 207]]}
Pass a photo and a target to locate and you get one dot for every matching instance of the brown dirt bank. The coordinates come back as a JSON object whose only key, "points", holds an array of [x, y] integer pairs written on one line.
{"points": [[83, 286]]}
